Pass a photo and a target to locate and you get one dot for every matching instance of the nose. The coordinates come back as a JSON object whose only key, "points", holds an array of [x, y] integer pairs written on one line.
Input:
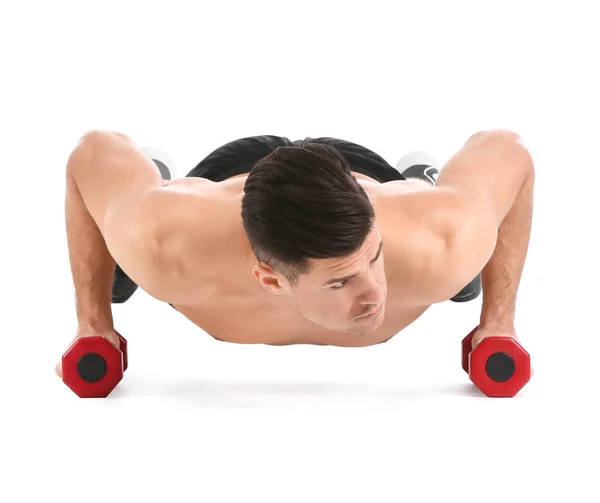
{"points": [[373, 299], [373, 295]]}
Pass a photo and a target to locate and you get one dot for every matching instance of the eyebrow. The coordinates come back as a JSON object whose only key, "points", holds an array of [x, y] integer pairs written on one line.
{"points": [[347, 278]]}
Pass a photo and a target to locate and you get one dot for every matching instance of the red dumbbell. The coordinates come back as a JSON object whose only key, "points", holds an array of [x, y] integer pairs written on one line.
{"points": [[498, 366], [92, 367]]}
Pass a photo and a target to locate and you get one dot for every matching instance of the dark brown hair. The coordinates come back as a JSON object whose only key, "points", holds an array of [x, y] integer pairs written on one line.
{"points": [[302, 202]]}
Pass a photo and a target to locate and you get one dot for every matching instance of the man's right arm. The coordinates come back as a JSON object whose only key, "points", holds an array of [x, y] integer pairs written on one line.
{"points": [[106, 220]]}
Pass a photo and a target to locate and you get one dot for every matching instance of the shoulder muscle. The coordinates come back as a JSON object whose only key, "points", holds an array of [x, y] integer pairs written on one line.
{"points": [[470, 237], [446, 243], [185, 230], [111, 173]]}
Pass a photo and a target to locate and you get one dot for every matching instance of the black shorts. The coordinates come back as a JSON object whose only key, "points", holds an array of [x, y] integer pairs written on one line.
{"points": [[240, 156]]}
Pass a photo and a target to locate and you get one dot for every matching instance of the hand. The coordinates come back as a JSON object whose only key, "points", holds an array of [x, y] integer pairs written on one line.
{"points": [[109, 335], [483, 332]]}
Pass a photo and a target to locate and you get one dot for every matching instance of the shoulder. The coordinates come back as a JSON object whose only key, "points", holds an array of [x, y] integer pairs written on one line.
{"points": [[191, 224], [418, 228]]}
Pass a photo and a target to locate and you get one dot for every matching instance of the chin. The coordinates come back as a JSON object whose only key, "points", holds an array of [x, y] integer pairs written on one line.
{"points": [[364, 331], [367, 327]]}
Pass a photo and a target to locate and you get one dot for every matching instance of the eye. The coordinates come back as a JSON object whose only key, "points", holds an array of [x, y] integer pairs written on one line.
{"points": [[339, 285]]}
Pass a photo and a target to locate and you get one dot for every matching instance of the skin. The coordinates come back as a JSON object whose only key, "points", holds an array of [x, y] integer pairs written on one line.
{"points": [[119, 208], [338, 307], [269, 310]]}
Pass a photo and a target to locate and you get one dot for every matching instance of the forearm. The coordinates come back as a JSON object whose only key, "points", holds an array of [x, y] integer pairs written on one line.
{"points": [[502, 274], [92, 266]]}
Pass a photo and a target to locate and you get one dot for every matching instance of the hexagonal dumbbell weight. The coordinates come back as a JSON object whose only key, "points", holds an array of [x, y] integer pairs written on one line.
{"points": [[498, 366], [92, 367]]}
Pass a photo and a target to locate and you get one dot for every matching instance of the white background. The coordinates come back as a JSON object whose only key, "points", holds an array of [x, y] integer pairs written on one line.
{"points": [[200, 420]]}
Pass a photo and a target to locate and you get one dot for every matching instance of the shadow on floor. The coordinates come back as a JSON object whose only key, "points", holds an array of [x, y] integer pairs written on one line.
{"points": [[270, 394]]}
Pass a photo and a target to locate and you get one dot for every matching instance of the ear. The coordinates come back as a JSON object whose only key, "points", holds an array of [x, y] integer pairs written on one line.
{"points": [[269, 278]]}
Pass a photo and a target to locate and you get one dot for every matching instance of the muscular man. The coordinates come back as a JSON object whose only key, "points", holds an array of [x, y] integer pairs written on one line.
{"points": [[318, 241]]}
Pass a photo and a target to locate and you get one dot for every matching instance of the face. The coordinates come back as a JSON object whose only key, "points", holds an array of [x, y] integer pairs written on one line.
{"points": [[338, 292]]}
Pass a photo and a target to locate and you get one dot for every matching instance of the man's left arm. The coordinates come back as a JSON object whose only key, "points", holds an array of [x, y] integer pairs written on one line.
{"points": [[493, 178]]}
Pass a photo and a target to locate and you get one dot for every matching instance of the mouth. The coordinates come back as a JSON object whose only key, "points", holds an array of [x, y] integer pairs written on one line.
{"points": [[371, 314]]}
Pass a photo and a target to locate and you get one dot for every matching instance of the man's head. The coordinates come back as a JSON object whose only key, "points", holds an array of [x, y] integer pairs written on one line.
{"points": [[311, 228]]}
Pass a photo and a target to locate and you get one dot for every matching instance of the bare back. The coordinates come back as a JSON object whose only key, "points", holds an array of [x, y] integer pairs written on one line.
{"points": [[232, 306]]}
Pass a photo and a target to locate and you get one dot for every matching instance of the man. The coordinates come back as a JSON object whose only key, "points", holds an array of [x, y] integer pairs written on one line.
{"points": [[317, 241]]}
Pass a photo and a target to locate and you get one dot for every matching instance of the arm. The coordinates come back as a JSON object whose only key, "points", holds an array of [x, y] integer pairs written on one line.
{"points": [[107, 182], [493, 178]]}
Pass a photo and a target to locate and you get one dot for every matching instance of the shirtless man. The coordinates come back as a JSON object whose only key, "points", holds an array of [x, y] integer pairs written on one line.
{"points": [[322, 243]]}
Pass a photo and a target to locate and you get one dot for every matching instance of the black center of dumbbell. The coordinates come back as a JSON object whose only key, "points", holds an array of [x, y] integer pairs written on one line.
{"points": [[500, 367], [91, 367]]}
